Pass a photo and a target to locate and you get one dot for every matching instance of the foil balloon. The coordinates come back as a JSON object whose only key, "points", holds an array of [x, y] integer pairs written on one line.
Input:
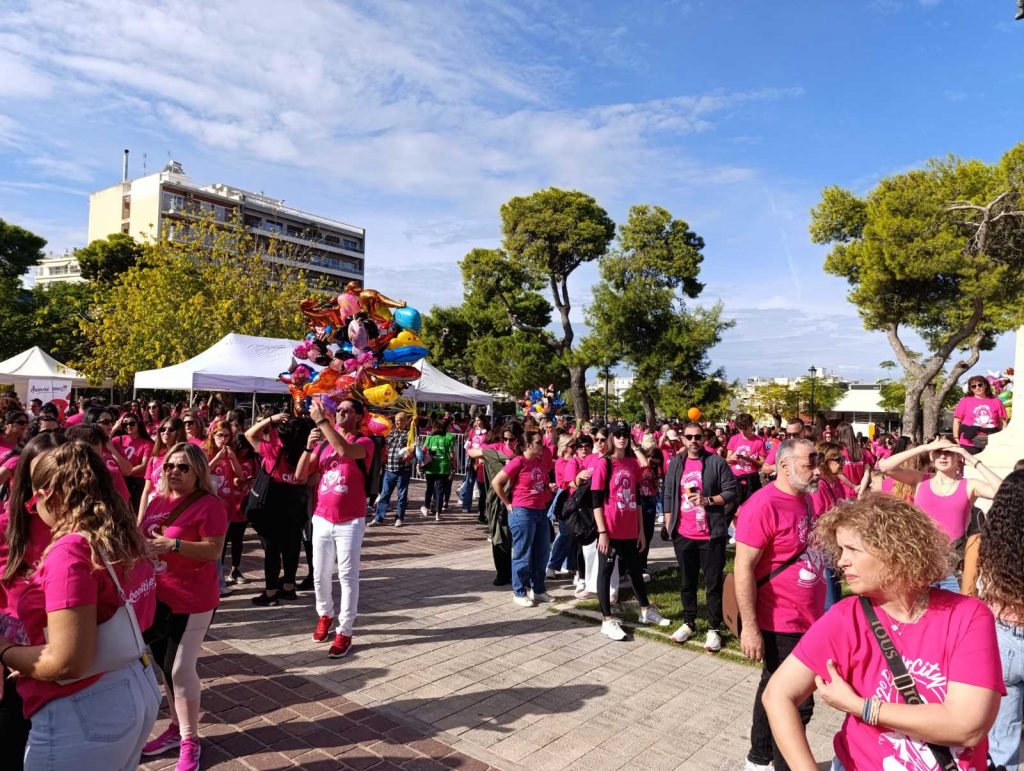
{"points": [[394, 372], [375, 424], [408, 318], [405, 355], [348, 301], [405, 338], [381, 395], [377, 305], [693, 413]]}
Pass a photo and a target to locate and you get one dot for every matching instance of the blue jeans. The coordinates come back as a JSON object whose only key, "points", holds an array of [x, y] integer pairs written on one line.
{"points": [[101, 728], [466, 491], [393, 479], [1004, 737], [531, 544], [949, 583]]}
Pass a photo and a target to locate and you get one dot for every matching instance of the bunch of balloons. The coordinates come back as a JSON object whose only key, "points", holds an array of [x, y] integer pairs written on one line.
{"points": [[540, 403], [1002, 386], [365, 343]]}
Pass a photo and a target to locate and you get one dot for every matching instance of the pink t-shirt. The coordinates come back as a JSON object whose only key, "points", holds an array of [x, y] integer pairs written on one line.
{"points": [[689, 526], [954, 642], [952, 513], [622, 503], [649, 481], [829, 493], [270, 448], [67, 579], [341, 496], [182, 583], [854, 470], [75, 419], [779, 524], [38, 539], [198, 442], [154, 470], [981, 412], [773, 455], [529, 480], [133, 449], [115, 472], [565, 472], [745, 448]]}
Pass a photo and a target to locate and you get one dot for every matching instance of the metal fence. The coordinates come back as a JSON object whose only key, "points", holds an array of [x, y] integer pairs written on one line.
{"points": [[460, 458]]}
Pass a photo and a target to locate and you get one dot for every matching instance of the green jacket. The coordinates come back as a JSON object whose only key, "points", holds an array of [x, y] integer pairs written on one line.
{"points": [[440, 446], [494, 509]]}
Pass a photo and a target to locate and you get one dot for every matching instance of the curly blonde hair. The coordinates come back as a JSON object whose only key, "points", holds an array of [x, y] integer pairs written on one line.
{"points": [[81, 498], [913, 550]]}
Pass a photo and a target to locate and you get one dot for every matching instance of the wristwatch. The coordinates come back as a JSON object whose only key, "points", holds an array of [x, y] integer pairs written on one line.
{"points": [[177, 545]]}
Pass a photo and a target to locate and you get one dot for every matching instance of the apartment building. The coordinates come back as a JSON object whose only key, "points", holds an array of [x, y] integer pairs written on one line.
{"points": [[58, 269], [166, 200]]}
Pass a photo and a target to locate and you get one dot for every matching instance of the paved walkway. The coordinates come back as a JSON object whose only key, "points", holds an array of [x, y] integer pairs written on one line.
{"points": [[446, 672]]}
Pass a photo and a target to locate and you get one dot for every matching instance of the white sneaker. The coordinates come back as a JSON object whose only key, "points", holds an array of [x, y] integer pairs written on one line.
{"points": [[660, 520], [424, 512], [549, 573], [713, 642], [582, 593], [522, 602], [542, 597], [398, 523], [647, 577], [612, 630], [650, 615], [756, 767], [682, 634]]}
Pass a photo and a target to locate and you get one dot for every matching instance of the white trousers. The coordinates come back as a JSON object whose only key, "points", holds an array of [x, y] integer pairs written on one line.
{"points": [[590, 562], [339, 543]]}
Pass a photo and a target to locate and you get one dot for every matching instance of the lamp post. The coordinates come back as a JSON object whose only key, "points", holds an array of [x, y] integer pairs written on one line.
{"points": [[814, 372], [607, 375]]}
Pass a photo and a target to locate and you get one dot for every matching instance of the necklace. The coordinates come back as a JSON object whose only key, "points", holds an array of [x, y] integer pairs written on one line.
{"points": [[917, 612]]}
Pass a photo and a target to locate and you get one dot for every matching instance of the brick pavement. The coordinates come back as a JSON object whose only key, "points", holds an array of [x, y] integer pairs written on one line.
{"points": [[446, 672]]}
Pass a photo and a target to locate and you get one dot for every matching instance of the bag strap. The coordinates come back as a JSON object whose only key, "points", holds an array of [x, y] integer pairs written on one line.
{"points": [[183, 504], [902, 679], [132, 618], [792, 560]]}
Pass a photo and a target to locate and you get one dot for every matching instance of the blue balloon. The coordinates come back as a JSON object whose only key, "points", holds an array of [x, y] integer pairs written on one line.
{"points": [[407, 354], [408, 318]]}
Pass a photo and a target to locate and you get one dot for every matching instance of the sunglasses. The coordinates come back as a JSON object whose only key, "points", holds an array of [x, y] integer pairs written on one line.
{"points": [[30, 504], [977, 385], [107, 422], [183, 468], [793, 436], [18, 423], [600, 439], [154, 406], [129, 423], [166, 430], [814, 459], [693, 437], [189, 422]]}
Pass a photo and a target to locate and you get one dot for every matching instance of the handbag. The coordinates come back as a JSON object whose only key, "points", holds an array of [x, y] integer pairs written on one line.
{"points": [[730, 605], [903, 680], [255, 503], [119, 639]]}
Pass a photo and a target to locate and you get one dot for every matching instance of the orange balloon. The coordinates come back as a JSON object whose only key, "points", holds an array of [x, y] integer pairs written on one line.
{"points": [[693, 413]]}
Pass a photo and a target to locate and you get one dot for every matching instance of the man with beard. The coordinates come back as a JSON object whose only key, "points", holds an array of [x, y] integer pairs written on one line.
{"points": [[779, 586]]}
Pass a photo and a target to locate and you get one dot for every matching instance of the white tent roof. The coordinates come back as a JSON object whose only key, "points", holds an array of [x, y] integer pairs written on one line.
{"points": [[37, 364], [247, 364]]}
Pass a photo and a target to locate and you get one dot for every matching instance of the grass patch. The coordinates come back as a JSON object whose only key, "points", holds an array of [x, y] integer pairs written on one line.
{"points": [[663, 592]]}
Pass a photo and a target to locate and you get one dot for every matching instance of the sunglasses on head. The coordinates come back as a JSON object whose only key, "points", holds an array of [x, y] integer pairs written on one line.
{"points": [[183, 468]]}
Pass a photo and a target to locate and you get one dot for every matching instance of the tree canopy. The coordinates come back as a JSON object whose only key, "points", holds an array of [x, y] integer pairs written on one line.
{"points": [[20, 249], [938, 250], [104, 259]]}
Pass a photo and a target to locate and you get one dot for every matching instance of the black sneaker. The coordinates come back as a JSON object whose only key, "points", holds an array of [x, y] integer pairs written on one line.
{"points": [[263, 600], [307, 584], [237, 577], [287, 594]]}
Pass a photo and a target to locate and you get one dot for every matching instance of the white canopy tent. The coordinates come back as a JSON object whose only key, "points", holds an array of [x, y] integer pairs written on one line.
{"points": [[247, 364], [36, 364]]}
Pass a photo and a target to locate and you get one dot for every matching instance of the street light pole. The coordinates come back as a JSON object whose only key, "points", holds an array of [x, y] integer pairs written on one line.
{"points": [[814, 371], [607, 374]]}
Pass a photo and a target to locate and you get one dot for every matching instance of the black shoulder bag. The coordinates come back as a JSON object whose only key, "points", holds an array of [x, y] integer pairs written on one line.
{"points": [[903, 680], [256, 503]]}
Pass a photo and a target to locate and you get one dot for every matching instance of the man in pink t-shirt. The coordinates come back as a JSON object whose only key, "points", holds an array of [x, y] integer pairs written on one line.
{"points": [[340, 466], [780, 587], [794, 430]]}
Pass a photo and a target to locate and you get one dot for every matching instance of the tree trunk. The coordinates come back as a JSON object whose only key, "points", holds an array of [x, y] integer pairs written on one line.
{"points": [[650, 412], [932, 412], [912, 413], [578, 385]]}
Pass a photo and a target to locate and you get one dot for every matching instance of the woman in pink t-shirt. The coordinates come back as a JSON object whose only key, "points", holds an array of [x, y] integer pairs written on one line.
{"points": [[857, 469], [528, 477], [83, 717], [945, 495], [195, 427], [130, 438], [615, 488], [563, 550], [170, 433], [185, 525], [977, 415], [745, 454], [945, 642]]}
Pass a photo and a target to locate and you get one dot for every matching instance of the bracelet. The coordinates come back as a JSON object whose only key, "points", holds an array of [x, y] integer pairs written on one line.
{"points": [[865, 712], [322, 420], [602, 532]]}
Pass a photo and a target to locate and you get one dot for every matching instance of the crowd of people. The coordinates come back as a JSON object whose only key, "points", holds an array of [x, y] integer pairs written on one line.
{"points": [[123, 527]]}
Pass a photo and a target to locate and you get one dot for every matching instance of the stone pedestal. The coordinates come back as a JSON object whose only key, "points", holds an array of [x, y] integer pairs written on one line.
{"points": [[1007, 447]]}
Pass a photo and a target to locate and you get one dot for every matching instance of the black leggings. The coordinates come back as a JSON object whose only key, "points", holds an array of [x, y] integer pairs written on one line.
{"points": [[283, 541], [626, 549], [14, 727], [235, 537], [434, 498]]}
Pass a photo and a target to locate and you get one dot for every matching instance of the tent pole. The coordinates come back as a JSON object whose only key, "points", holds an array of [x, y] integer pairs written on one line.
{"points": [[253, 420]]}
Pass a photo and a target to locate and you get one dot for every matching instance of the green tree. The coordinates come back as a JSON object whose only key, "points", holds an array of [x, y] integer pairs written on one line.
{"points": [[826, 396], [58, 313], [940, 251], [548, 235], [20, 249], [15, 316], [186, 293], [639, 314], [104, 259], [772, 400]]}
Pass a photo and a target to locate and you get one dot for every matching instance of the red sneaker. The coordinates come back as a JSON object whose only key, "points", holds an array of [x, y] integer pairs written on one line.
{"points": [[340, 647], [323, 627]]}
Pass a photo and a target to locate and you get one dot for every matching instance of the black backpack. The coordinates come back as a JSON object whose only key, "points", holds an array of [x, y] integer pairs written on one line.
{"points": [[578, 512]]}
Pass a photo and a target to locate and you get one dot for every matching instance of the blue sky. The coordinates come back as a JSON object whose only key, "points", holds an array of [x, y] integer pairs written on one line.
{"points": [[416, 120]]}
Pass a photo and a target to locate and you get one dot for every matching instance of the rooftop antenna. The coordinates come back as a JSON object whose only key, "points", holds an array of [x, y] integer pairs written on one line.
{"points": [[124, 167], [144, 164]]}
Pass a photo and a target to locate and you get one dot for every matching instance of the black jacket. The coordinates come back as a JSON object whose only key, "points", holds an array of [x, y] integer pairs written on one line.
{"points": [[717, 479]]}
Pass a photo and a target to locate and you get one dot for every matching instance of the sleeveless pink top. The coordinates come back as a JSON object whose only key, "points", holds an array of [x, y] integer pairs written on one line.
{"points": [[952, 513]]}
